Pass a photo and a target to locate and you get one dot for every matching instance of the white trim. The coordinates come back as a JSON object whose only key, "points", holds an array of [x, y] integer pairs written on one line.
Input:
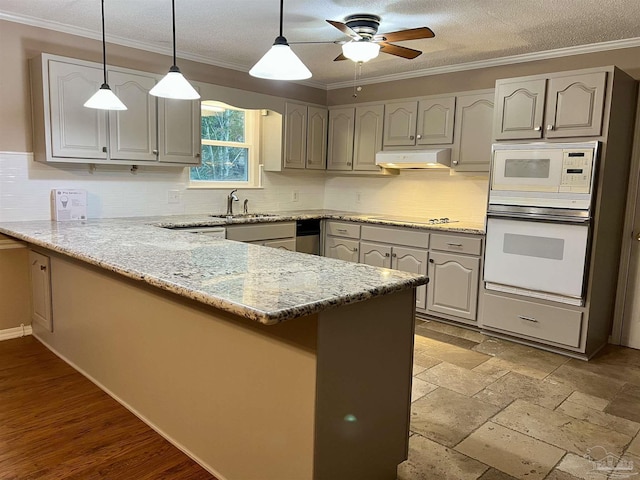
{"points": [[125, 42], [495, 62], [144, 419], [16, 332]]}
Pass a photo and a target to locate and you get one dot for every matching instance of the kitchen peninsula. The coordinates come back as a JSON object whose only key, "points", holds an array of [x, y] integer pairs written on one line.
{"points": [[257, 362]]}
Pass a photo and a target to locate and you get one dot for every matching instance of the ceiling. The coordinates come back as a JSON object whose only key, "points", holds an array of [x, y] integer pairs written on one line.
{"points": [[237, 33]]}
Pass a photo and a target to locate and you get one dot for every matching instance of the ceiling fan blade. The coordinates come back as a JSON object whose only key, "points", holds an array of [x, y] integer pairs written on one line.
{"points": [[398, 51], [340, 57], [410, 34], [344, 29]]}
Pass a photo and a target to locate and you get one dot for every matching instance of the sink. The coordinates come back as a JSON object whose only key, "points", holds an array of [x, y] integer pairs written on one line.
{"points": [[246, 215]]}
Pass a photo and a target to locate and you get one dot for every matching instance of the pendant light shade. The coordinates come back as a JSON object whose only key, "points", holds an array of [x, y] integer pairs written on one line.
{"points": [[360, 51], [280, 63], [104, 98], [174, 85]]}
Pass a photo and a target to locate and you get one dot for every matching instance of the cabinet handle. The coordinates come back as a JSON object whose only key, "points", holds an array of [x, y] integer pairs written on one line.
{"points": [[43, 267], [454, 244], [349, 163], [355, 249], [386, 254], [455, 162], [411, 137], [394, 255], [431, 260], [341, 230], [528, 319], [155, 152], [538, 128], [549, 127], [197, 155], [104, 149], [418, 136]]}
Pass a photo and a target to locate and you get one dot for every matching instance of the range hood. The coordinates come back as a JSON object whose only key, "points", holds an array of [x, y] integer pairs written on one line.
{"points": [[422, 159]]}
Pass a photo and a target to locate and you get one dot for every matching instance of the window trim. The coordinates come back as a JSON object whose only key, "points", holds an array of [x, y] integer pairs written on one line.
{"points": [[252, 143]]}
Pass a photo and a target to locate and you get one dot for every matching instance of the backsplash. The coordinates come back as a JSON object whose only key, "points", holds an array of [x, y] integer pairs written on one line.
{"points": [[113, 191]]}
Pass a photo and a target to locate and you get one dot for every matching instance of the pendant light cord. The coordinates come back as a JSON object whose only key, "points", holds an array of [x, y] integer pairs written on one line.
{"points": [[104, 47], [173, 15], [281, 15]]}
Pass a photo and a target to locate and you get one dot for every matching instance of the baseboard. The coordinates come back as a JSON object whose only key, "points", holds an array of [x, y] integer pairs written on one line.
{"points": [[16, 332]]}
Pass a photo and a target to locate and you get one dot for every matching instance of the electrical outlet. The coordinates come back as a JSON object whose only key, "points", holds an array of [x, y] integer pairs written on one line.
{"points": [[173, 196], [358, 197], [295, 196]]}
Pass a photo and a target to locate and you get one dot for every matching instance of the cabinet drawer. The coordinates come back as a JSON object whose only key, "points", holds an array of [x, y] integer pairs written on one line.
{"points": [[261, 231], [343, 229], [284, 243], [396, 236], [543, 322], [456, 243]]}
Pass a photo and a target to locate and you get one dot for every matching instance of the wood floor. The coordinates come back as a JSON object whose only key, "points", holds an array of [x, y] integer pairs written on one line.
{"points": [[56, 424]]}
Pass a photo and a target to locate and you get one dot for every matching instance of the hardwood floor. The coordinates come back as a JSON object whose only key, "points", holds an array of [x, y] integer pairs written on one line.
{"points": [[56, 424]]}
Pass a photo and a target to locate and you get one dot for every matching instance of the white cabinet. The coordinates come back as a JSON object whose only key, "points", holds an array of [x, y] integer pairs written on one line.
{"points": [[342, 240], [151, 131], [428, 121], [355, 136], [305, 136], [40, 275], [553, 106], [473, 132]]}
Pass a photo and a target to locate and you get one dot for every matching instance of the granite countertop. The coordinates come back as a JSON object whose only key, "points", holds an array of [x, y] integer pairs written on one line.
{"points": [[267, 285]]}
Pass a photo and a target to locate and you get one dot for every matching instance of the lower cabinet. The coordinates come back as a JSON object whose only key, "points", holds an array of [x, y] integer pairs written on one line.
{"points": [[341, 248], [283, 243], [277, 235], [453, 287], [40, 276]]}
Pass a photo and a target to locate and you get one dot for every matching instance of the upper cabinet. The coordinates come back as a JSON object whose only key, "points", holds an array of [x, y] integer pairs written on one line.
{"points": [[305, 136], [355, 135], [422, 122], [150, 131], [555, 106], [473, 133]]}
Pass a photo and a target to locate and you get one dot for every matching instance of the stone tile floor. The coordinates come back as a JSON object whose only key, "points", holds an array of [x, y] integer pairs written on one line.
{"points": [[489, 409]]}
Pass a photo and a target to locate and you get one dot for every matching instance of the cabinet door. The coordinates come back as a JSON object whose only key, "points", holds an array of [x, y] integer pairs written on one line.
{"points": [[179, 131], [519, 109], [39, 267], [76, 131], [413, 261], [473, 133], [133, 133], [575, 105], [400, 123], [295, 135], [367, 139], [453, 285], [317, 138], [435, 121], [341, 248], [375, 254], [341, 127], [283, 243]]}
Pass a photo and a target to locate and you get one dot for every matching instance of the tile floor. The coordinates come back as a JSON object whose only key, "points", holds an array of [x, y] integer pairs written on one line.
{"points": [[489, 409]]}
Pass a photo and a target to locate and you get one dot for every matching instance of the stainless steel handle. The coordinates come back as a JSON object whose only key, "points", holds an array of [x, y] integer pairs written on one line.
{"points": [[455, 162], [43, 267], [418, 136], [549, 127], [540, 217], [528, 319], [454, 244], [341, 230], [155, 152], [538, 128], [638, 237]]}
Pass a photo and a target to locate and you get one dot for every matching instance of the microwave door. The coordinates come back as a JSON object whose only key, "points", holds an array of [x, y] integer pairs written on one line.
{"points": [[527, 170], [539, 256]]}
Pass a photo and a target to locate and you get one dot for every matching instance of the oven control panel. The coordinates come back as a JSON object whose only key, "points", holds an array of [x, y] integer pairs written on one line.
{"points": [[577, 166]]}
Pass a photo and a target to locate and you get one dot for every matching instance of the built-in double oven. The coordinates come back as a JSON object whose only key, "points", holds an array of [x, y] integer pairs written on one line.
{"points": [[539, 220]]}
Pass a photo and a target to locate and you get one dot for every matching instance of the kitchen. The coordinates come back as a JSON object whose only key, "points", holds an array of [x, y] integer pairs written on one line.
{"points": [[116, 192]]}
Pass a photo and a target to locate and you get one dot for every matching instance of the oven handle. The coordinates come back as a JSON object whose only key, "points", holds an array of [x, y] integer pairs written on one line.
{"points": [[536, 217]]}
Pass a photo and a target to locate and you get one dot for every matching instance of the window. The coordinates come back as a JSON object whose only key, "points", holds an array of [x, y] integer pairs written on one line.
{"points": [[229, 147]]}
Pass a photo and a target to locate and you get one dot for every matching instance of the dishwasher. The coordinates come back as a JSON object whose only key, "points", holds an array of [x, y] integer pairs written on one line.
{"points": [[308, 236]]}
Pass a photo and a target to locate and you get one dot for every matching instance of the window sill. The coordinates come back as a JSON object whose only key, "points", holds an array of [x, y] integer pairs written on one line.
{"points": [[227, 186]]}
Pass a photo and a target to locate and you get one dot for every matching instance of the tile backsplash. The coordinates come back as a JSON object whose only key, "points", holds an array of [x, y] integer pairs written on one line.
{"points": [[114, 191]]}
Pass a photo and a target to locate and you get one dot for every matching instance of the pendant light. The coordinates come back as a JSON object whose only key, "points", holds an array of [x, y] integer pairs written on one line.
{"points": [[104, 98], [174, 85], [280, 63]]}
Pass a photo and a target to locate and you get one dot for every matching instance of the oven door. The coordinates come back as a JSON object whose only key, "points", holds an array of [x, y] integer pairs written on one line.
{"points": [[545, 259]]}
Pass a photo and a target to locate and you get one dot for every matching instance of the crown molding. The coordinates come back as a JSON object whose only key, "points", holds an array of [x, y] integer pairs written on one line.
{"points": [[125, 42], [495, 62]]}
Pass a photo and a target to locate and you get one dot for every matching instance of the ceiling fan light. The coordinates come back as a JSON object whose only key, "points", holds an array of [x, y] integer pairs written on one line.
{"points": [[174, 85], [105, 99], [360, 51], [280, 63]]}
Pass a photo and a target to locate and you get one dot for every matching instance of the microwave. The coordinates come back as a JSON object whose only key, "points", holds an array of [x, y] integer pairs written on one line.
{"points": [[556, 175]]}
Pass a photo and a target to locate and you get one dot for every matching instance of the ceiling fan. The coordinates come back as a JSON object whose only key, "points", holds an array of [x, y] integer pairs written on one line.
{"points": [[366, 43]]}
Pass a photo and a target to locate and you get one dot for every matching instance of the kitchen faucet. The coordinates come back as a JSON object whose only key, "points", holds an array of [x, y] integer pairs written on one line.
{"points": [[232, 197]]}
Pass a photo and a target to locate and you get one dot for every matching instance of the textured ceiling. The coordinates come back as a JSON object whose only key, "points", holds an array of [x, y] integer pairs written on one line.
{"points": [[236, 33]]}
